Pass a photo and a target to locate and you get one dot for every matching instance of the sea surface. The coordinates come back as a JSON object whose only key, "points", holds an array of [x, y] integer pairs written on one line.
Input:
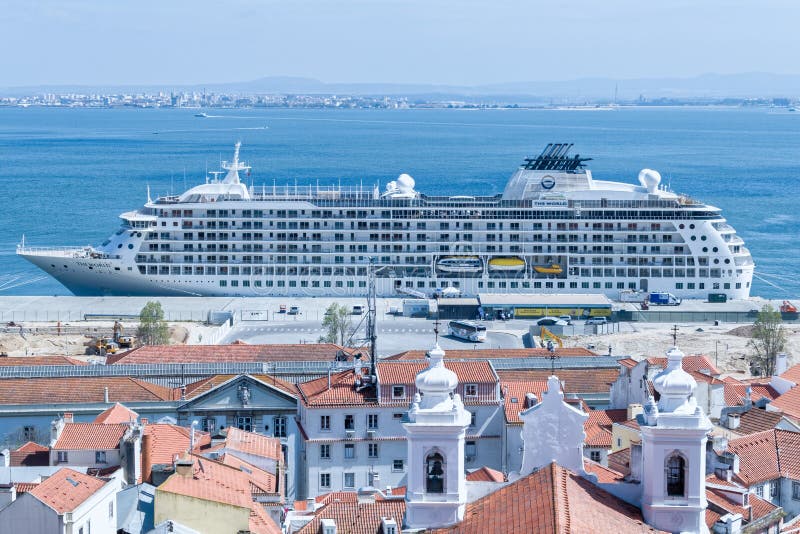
{"points": [[66, 174]]}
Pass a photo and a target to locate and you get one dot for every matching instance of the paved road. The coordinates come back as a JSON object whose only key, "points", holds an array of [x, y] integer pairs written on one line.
{"points": [[394, 335]]}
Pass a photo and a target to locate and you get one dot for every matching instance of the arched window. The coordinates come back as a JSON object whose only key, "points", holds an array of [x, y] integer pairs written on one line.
{"points": [[676, 476], [434, 473]]}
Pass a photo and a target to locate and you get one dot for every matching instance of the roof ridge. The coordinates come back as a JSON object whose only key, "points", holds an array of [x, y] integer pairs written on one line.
{"points": [[556, 518], [564, 494]]}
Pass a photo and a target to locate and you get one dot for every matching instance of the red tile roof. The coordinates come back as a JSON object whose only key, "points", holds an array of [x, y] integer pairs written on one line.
{"points": [[691, 362], [226, 353], [261, 522], [514, 396], [66, 489], [736, 391], [195, 389], [252, 443], [9, 361], [357, 517], [757, 420], [552, 499], [338, 390], [766, 456], [264, 481], [167, 441], [30, 454], [469, 354], [80, 390], [620, 461], [115, 415], [211, 481], [577, 381], [89, 436], [720, 503], [598, 426], [789, 403], [24, 487], [630, 363], [486, 474], [792, 373], [605, 475]]}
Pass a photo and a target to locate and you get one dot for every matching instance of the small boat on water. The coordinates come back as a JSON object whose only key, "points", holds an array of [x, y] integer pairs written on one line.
{"points": [[202, 115], [460, 264], [507, 263], [553, 268]]}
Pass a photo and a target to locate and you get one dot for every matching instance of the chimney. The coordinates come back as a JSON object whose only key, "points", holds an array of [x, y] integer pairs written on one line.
{"points": [[147, 460], [185, 466], [67, 417], [183, 393], [530, 400], [311, 504], [729, 524], [144, 421], [733, 421], [8, 494], [634, 410], [388, 526], [720, 443], [781, 363], [105, 394], [636, 462], [6, 460]]}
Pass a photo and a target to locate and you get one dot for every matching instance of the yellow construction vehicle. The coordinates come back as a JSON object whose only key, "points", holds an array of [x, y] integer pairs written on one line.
{"points": [[546, 334], [105, 345], [124, 341]]}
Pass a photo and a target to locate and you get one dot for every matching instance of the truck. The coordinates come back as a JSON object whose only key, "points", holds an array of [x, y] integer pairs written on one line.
{"points": [[663, 299], [632, 295]]}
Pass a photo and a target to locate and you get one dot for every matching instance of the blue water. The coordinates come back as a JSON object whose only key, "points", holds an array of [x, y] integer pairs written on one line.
{"points": [[66, 174]]}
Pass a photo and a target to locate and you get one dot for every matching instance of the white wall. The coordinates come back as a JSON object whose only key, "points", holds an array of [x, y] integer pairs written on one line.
{"points": [[95, 510], [28, 515]]}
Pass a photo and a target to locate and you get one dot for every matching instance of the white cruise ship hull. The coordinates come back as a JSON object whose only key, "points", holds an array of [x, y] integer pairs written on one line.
{"points": [[225, 239]]}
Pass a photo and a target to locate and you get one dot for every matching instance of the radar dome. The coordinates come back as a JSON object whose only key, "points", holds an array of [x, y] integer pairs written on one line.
{"points": [[650, 179], [405, 183]]}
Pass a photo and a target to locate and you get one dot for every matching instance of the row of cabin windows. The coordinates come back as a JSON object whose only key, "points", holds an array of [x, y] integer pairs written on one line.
{"points": [[349, 451], [349, 478]]}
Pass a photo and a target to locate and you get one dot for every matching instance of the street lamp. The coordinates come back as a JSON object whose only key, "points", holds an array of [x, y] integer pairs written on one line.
{"points": [[716, 353]]}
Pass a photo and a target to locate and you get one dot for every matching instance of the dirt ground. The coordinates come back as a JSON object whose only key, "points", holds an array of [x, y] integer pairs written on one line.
{"points": [[727, 343]]}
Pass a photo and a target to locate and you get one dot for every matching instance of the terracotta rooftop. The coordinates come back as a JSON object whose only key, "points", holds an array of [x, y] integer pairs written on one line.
{"points": [[340, 393], [486, 474], [86, 436], [792, 373], [80, 390], [736, 392], [406, 372], [167, 441], [8, 361], [757, 420], [66, 489], [264, 481], [721, 504], [788, 403], [482, 354], [24, 487], [598, 426], [766, 456], [552, 499], [356, 517], [211, 481], [30, 454], [691, 362], [620, 461], [227, 353], [605, 475], [252, 443], [195, 389], [115, 415], [514, 392], [261, 522], [576, 381], [630, 363]]}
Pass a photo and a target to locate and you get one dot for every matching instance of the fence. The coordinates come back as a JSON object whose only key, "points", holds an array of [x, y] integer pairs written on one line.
{"points": [[39, 316]]}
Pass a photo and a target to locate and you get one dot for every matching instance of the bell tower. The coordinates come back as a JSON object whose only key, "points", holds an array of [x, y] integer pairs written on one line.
{"points": [[673, 452], [436, 423]]}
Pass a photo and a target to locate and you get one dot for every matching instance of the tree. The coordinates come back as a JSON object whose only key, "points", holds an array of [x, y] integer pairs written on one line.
{"points": [[152, 326], [336, 323], [768, 339]]}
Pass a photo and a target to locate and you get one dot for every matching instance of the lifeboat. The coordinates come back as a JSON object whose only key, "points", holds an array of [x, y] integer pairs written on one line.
{"points": [[460, 264], [553, 268], [510, 263], [788, 307]]}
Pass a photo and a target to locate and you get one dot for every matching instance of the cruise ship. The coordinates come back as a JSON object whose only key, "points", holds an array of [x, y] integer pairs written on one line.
{"points": [[554, 229]]}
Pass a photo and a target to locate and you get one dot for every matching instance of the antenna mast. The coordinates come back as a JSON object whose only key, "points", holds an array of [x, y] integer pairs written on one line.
{"points": [[372, 315]]}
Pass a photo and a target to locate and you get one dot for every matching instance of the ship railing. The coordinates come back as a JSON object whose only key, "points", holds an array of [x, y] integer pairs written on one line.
{"points": [[71, 252]]}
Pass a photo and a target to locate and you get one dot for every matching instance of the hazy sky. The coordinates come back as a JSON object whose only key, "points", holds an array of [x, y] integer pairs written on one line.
{"points": [[428, 41]]}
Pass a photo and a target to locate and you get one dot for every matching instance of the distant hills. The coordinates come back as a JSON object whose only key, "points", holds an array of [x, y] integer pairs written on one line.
{"points": [[704, 86]]}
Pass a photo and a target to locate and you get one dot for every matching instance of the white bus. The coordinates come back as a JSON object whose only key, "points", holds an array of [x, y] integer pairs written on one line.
{"points": [[468, 330]]}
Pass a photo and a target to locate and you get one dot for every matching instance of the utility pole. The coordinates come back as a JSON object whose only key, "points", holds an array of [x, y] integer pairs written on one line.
{"points": [[372, 315]]}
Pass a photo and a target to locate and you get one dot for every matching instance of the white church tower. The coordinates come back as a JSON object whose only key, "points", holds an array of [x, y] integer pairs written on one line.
{"points": [[436, 423], [673, 453]]}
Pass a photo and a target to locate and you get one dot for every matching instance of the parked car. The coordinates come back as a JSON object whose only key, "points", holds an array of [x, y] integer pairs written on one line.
{"points": [[294, 310], [596, 320], [358, 310], [550, 321], [566, 318]]}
